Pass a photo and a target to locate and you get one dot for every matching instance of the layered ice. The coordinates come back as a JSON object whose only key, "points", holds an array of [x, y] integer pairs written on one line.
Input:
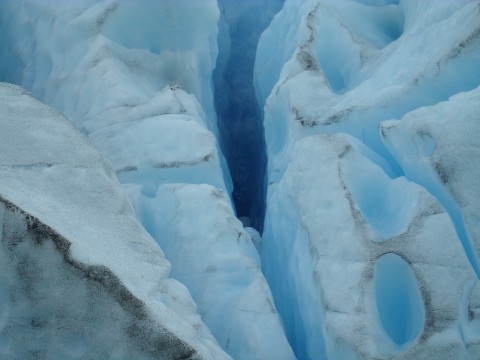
{"points": [[136, 78], [370, 206], [80, 276]]}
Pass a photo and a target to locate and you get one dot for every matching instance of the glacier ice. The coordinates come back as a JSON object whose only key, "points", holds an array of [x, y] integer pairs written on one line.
{"points": [[367, 151], [438, 147], [336, 278], [370, 111], [215, 258], [80, 276], [136, 78]]}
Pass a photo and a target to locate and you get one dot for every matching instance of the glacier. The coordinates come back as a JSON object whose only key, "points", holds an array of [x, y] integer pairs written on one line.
{"points": [[370, 115], [272, 179]]}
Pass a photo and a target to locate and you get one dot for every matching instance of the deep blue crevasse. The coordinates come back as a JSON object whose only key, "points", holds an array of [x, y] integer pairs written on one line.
{"points": [[239, 117]]}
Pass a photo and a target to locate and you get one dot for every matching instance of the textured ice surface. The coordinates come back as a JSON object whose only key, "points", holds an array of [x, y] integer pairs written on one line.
{"points": [[367, 245], [136, 76], [80, 277], [341, 294], [438, 146], [330, 67], [215, 258]]}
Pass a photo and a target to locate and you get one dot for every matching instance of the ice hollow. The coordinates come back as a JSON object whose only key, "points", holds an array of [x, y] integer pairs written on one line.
{"points": [[398, 299]]}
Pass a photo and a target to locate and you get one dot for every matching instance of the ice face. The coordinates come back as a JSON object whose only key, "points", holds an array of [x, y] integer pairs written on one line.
{"points": [[136, 78], [347, 282], [78, 271], [215, 258], [349, 217]]}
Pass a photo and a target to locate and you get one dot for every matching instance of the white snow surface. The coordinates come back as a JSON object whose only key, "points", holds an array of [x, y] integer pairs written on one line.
{"points": [[50, 171], [371, 115]]}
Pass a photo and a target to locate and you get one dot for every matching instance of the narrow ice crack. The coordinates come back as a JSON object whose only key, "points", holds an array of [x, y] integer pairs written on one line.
{"points": [[239, 117]]}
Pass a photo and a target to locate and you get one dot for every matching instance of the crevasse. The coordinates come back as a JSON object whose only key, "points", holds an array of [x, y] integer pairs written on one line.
{"points": [[238, 114]]}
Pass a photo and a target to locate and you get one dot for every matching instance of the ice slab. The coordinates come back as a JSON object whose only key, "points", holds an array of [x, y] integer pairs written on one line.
{"points": [[214, 256], [78, 266], [333, 272]]}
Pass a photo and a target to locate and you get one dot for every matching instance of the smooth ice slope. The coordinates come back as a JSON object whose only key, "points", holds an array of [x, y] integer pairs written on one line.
{"points": [[346, 223], [80, 277], [135, 76]]}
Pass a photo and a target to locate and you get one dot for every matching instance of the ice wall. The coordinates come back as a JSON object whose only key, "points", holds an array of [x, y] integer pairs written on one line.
{"points": [[239, 116], [367, 224], [136, 77], [80, 276]]}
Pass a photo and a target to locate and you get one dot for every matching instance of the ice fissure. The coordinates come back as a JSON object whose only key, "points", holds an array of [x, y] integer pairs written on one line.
{"points": [[238, 114]]}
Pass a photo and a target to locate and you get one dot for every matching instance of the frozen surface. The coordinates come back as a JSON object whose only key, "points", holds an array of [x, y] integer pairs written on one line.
{"points": [[82, 277], [136, 78], [370, 242]]}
